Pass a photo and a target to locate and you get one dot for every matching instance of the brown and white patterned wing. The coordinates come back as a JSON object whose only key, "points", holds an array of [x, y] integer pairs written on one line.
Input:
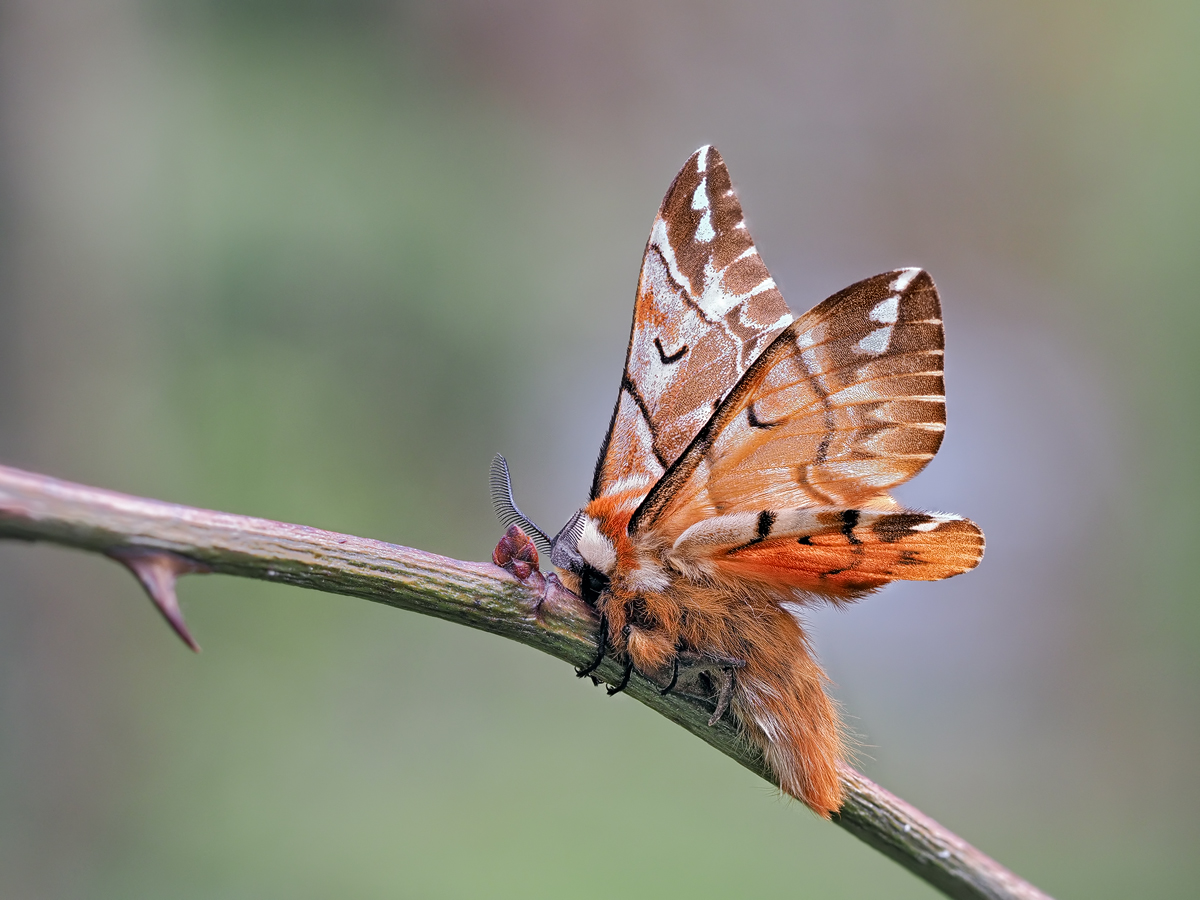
{"points": [[706, 307], [845, 403]]}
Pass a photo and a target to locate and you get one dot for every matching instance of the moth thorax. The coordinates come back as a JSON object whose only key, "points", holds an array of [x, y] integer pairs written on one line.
{"points": [[595, 549], [647, 576]]}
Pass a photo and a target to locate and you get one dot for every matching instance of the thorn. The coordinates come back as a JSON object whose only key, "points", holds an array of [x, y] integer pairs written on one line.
{"points": [[157, 570]]}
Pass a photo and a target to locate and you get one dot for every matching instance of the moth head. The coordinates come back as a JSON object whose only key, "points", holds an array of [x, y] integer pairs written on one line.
{"points": [[584, 552]]}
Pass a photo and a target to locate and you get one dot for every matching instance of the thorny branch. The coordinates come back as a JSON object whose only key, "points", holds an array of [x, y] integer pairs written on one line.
{"points": [[160, 541]]}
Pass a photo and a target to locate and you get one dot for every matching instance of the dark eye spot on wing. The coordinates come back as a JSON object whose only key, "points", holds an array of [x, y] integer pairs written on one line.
{"points": [[674, 357], [806, 540]]}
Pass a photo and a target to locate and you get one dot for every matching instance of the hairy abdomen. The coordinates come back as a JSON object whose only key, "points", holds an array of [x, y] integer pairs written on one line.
{"points": [[779, 693], [782, 706]]}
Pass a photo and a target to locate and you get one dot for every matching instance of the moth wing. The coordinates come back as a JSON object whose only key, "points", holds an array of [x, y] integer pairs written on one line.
{"points": [[845, 403], [706, 307], [841, 553]]}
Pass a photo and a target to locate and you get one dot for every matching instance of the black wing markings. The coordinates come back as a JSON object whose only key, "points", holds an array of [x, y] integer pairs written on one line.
{"points": [[755, 421], [628, 385], [849, 521], [762, 530], [674, 357]]}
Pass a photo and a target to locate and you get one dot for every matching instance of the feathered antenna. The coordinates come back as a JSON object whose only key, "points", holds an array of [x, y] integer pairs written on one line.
{"points": [[506, 506], [565, 554]]}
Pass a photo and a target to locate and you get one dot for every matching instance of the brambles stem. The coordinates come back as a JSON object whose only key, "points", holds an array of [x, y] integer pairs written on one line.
{"points": [[166, 540]]}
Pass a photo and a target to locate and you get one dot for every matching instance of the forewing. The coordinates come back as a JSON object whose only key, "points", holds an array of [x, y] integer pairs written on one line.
{"points": [[832, 552], [845, 403], [706, 307]]}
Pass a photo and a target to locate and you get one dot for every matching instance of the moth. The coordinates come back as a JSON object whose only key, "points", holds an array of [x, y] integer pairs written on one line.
{"points": [[745, 474]]}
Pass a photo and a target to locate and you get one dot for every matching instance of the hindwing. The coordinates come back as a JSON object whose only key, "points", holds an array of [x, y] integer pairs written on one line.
{"points": [[706, 307], [836, 553]]}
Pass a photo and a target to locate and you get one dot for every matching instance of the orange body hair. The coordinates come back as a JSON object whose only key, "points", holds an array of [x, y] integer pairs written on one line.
{"points": [[778, 695]]}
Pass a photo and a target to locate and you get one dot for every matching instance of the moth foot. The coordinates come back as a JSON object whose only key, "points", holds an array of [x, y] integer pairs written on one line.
{"points": [[696, 671], [624, 682], [706, 661], [674, 677], [601, 649]]}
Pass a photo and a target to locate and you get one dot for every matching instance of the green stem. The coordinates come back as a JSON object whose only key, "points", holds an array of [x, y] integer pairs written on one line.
{"points": [[539, 613]]}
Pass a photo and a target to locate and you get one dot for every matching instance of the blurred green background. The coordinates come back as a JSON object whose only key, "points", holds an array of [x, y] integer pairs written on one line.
{"points": [[318, 261]]}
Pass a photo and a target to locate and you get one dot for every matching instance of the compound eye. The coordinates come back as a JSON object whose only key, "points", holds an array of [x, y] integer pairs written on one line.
{"points": [[592, 583]]}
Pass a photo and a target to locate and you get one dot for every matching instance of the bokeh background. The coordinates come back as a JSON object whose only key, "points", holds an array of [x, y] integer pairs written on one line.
{"points": [[318, 261]]}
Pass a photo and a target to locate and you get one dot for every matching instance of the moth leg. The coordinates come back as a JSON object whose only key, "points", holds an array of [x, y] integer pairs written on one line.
{"points": [[723, 698], [624, 682], [601, 649], [674, 677], [706, 660], [686, 660]]}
